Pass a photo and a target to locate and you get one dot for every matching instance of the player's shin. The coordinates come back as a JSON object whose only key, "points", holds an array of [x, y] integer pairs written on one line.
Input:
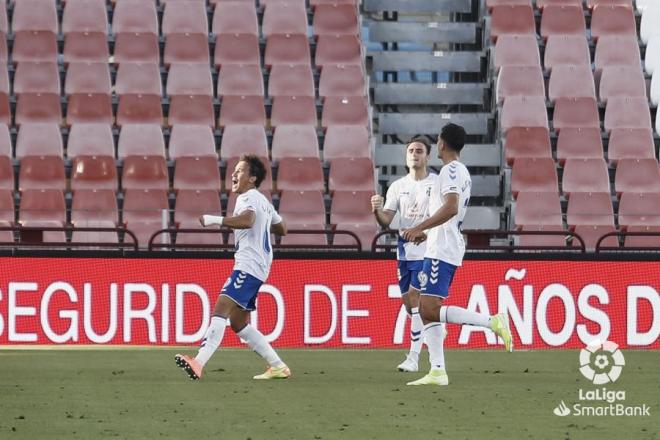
{"points": [[434, 333], [257, 342], [416, 333], [459, 315], [212, 339]]}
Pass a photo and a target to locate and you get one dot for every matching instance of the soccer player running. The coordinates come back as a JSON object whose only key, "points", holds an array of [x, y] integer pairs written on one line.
{"points": [[444, 253], [409, 196], [254, 218]]}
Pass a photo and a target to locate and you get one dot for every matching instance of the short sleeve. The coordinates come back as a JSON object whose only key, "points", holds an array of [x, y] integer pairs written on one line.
{"points": [[276, 219], [449, 179], [244, 203], [392, 198]]}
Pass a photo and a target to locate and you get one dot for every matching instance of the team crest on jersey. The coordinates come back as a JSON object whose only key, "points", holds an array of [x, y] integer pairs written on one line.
{"points": [[422, 278]]}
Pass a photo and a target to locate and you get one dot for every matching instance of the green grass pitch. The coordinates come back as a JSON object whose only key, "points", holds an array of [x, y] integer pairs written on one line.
{"points": [[343, 394]]}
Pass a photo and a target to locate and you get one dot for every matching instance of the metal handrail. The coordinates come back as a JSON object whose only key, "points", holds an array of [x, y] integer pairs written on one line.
{"points": [[627, 234], [70, 228]]}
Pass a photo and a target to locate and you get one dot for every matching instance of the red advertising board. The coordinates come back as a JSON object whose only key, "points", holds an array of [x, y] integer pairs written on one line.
{"points": [[323, 303]]}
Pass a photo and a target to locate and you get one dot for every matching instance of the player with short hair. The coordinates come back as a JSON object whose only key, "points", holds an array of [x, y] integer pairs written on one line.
{"points": [[253, 219], [444, 253], [409, 196]]}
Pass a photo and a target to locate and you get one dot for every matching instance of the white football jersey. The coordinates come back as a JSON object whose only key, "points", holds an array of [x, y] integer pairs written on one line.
{"points": [[445, 242], [254, 253], [410, 198]]}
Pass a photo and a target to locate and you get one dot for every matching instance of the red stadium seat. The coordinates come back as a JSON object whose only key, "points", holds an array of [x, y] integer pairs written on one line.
{"points": [[579, 143], [570, 81], [365, 233], [592, 233], [266, 185], [562, 20], [490, 4], [235, 17], [340, 80], [291, 80], [630, 143], [143, 213], [617, 50], [352, 207], [351, 174], [190, 205], [309, 239], [236, 49], [39, 139], [591, 4], [6, 174], [285, 17], [237, 110], [87, 78], [301, 174], [186, 48], [612, 20], [243, 139], [35, 46], [512, 20], [587, 208], [537, 208], [522, 111], [84, 16], [91, 47], [135, 16], [350, 110], [293, 110], [137, 47], [139, 109], [295, 141], [90, 139], [191, 109], [533, 174], [34, 15], [627, 113], [191, 140], [89, 108], [138, 78], [542, 240], [527, 142], [140, 140], [344, 141], [336, 19], [39, 205], [38, 107], [622, 81], [543, 3], [93, 237], [575, 112], [100, 205], [566, 49], [6, 207], [189, 79], [519, 81], [4, 25], [94, 172], [585, 175], [5, 141], [4, 79], [36, 77], [643, 241], [302, 207], [184, 16], [517, 50], [637, 175], [240, 79], [639, 209], [145, 172], [4, 51], [197, 173], [42, 172], [287, 49], [338, 49]]}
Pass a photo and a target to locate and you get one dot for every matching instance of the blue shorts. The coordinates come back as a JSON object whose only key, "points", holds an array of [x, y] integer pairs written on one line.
{"points": [[242, 288], [408, 274], [436, 277]]}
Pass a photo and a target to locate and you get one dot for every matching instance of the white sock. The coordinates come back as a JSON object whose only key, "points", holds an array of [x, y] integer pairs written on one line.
{"points": [[435, 340], [416, 333], [459, 315], [257, 342], [212, 339]]}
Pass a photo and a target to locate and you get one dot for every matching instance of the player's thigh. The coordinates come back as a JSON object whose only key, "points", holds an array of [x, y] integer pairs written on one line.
{"points": [[429, 308], [239, 318]]}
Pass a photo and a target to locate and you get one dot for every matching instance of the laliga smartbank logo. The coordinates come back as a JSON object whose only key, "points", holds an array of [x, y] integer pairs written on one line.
{"points": [[601, 363]]}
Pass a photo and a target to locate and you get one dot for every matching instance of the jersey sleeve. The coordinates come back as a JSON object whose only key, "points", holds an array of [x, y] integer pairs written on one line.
{"points": [[276, 219], [244, 203], [392, 198], [448, 179]]}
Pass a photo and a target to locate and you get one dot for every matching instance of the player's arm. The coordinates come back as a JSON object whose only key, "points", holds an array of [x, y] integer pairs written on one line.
{"points": [[244, 220], [278, 228], [448, 209], [384, 216]]}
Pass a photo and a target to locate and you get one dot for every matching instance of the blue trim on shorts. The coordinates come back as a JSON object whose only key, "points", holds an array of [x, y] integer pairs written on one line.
{"points": [[242, 288], [436, 277], [408, 274]]}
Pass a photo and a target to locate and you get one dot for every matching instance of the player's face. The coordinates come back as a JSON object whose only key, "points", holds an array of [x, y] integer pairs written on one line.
{"points": [[241, 181], [416, 156]]}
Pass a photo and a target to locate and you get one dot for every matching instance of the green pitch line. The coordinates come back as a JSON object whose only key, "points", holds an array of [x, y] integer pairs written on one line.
{"points": [[140, 394]]}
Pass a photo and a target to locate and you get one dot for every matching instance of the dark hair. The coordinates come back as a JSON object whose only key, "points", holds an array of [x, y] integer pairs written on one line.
{"points": [[420, 140], [256, 167], [453, 136]]}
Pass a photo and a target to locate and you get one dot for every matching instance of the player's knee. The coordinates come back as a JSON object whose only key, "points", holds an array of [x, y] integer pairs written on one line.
{"points": [[427, 314]]}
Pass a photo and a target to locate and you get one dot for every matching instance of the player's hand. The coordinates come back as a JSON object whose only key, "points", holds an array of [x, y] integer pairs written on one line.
{"points": [[414, 235], [420, 238], [376, 202]]}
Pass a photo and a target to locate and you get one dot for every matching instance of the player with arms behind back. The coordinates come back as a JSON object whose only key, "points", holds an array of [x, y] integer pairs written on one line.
{"points": [[444, 253], [253, 219], [409, 196]]}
